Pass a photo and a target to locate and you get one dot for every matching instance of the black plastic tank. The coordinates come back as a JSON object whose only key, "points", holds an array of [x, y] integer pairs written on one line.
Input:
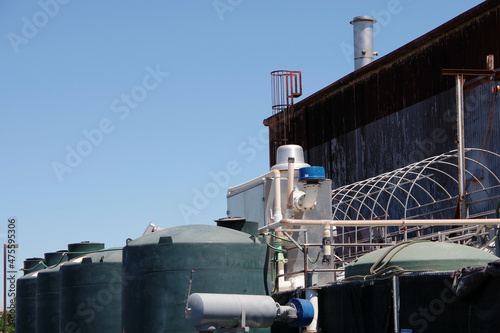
{"points": [[26, 296], [47, 293], [48, 285], [90, 293], [157, 270]]}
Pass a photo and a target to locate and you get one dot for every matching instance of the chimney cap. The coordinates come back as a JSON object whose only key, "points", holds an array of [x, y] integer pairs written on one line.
{"points": [[362, 18]]}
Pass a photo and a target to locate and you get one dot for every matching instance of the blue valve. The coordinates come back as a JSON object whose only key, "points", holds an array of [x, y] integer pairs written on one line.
{"points": [[305, 312]]}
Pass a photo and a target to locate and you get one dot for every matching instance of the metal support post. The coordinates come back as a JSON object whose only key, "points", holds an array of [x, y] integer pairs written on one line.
{"points": [[395, 302], [461, 146], [5, 288]]}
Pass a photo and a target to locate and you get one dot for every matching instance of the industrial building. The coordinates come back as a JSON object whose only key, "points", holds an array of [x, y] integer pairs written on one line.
{"points": [[387, 132]]}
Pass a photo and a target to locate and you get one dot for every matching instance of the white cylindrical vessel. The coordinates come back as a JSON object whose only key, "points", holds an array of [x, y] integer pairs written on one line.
{"points": [[227, 311]]}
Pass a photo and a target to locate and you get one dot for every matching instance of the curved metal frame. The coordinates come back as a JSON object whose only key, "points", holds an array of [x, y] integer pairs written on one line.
{"points": [[408, 189]]}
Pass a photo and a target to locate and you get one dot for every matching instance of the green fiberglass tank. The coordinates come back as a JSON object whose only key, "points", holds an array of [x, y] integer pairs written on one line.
{"points": [[47, 293], [420, 255], [26, 296], [90, 293], [157, 270]]}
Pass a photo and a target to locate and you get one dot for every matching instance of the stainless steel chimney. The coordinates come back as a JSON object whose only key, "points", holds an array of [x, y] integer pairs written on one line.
{"points": [[363, 40]]}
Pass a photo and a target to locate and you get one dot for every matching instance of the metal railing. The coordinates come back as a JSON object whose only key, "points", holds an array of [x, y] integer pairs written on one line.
{"points": [[348, 246]]}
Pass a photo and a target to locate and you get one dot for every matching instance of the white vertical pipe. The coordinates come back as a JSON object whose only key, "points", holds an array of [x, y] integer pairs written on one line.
{"points": [[282, 283], [277, 196], [312, 296], [291, 176]]}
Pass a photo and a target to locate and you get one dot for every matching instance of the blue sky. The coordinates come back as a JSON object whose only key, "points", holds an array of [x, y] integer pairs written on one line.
{"points": [[120, 113]]}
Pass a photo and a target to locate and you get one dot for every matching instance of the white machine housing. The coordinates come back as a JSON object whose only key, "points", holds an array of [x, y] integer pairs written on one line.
{"points": [[255, 201]]}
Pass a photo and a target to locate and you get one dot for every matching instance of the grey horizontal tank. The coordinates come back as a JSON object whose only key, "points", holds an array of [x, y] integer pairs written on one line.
{"points": [[47, 293], [48, 285], [26, 296], [90, 293], [157, 270]]}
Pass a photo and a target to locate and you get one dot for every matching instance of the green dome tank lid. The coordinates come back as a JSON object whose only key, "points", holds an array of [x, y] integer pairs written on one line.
{"points": [[78, 249], [54, 258], [91, 268], [111, 255], [31, 265], [200, 233], [421, 255]]}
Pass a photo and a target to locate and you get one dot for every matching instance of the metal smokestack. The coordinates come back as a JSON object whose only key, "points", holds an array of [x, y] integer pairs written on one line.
{"points": [[363, 40]]}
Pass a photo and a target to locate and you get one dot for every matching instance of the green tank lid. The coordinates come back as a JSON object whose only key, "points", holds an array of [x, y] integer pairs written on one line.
{"points": [[79, 249], [31, 265], [421, 255], [194, 234], [54, 258]]}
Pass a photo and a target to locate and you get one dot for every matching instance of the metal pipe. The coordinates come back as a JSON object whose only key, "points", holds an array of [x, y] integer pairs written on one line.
{"points": [[5, 287], [382, 223], [232, 191], [461, 146], [395, 300], [280, 264], [304, 201], [497, 240]]}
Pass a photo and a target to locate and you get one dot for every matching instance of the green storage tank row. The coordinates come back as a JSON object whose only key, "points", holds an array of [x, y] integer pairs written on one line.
{"points": [[38, 291], [142, 288]]}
